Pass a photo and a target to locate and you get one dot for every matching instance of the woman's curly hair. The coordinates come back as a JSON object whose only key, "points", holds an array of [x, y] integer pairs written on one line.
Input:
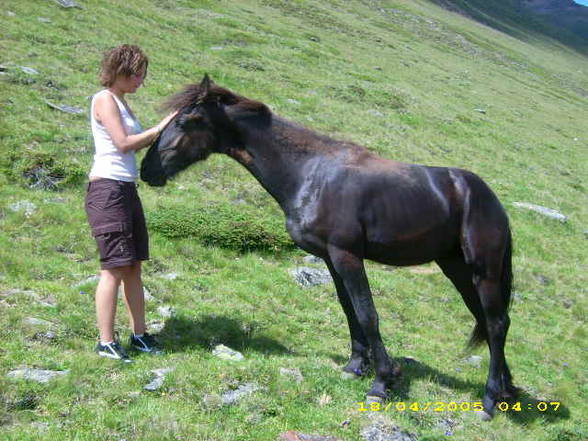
{"points": [[125, 60]]}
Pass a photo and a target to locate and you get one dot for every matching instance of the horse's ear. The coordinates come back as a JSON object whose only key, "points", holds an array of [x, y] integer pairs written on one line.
{"points": [[205, 84]]}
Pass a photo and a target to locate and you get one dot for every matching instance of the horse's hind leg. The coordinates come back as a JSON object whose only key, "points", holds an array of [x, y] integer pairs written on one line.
{"points": [[462, 277], [482, 293], [359, 362]]}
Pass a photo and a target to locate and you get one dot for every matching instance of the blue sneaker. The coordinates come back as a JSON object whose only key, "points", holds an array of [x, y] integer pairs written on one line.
{"points": [[146, 343], [113, 350]]}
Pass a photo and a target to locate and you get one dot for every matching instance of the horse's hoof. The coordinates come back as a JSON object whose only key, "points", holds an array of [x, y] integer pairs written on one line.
{"points": [[485, 416]]}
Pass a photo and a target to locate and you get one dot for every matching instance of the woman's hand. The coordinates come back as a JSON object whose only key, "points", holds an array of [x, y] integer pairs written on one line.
{"points": [[165, 121]]}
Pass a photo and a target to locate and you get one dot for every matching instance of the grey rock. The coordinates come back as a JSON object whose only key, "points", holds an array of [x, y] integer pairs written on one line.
{"points": [[29, 70], [43, 20], [41, 178], [548, 212], [48, 336], [166, 311], [293, 101], [225, 353], [212, 401], [87, 280], [382, 429], [170, 276], [312, 259], [293, 373], [216, 48], [157, 382], [292, 435], [307, 277], [38, 375], [33, 321], [147, 294], [233, 396], [156, 326], [10, 14], [19, 293], [68, 4], [375, 112], [481, 111], [474, 360], [25, 206], [65, 108]]}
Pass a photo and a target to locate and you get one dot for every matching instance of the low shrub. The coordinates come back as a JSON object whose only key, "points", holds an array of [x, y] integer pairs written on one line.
{"points": [[225, 225]]}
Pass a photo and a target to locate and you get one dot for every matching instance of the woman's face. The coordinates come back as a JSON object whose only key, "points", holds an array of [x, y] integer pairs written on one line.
{"points": [[131, 83]]}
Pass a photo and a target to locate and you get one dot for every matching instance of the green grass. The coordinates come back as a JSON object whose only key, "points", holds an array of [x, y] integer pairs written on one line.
{"points": [[403, 78]]}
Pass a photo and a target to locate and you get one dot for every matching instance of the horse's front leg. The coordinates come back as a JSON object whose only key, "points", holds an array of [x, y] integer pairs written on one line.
{"points": [[349, 267], [359, 362]]}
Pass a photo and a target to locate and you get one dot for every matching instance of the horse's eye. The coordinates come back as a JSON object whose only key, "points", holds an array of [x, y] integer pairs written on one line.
{"points": [[191, 120]]}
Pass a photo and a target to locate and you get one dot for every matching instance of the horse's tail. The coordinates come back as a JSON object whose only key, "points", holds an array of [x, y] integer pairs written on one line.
{"points": [[479, 334]]}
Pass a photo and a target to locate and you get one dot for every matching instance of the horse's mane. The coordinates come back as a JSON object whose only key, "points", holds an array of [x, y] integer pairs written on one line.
{"points": [[193, 94]]}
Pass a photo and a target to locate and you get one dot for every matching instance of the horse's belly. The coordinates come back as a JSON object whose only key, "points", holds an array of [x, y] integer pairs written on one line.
{"points": [[418, 248]]}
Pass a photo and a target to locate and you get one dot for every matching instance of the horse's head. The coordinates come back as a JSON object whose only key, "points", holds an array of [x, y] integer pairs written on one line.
{"points": [[207, 122]]}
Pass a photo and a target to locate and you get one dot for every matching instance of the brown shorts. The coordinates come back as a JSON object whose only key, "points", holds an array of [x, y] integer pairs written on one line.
{"points": [[116, 217]]}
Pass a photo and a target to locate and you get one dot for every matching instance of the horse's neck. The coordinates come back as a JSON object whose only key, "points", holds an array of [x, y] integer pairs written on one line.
{"points": [[276, 156]]}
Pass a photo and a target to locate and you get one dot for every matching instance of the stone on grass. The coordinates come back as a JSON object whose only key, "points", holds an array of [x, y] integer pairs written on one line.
{"points": [[25, 206], [293, 373], [29, 70], [157, 382], [68, 4], [38, 375], [90, 279], [170, 276], [225, 353], [312, 259], [382, 429], [212, 401], [307, 277], [292, 435], [233, 396], [41, 178], [548, 212], [474, 360], [375, 112], [65, 108], [33, 321], [166, 311]]}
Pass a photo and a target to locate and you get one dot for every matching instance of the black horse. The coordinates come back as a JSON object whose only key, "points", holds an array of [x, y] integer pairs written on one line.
{"points": [[345, 204]]}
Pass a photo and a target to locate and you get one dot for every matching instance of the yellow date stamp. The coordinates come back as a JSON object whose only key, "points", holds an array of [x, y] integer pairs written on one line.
{"points": [[455, 406], [426, 406]]}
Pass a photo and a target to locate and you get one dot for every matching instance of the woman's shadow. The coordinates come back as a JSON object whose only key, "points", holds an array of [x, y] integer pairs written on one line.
{"points": [[206, 332]]}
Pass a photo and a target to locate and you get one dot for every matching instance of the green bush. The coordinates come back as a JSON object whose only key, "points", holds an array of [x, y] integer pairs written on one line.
{"points": [[43, 170], [239, 228]]}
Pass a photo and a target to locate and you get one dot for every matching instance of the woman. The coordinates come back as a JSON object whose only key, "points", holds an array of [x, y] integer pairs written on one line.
{"points": [[112, 204]]}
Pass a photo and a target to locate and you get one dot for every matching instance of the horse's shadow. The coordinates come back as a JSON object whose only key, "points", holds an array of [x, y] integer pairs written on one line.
{"points": [[529, 409], [180, 333]]}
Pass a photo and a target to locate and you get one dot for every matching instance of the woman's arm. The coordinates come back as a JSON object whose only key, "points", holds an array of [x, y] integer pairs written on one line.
{"points": [[107, 112]]}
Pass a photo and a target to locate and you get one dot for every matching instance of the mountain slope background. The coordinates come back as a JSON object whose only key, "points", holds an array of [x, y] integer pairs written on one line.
{"points": [[480, 85]]}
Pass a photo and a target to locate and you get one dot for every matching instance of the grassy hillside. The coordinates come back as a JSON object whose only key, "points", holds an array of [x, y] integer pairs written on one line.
{"points": [[407, 79]]}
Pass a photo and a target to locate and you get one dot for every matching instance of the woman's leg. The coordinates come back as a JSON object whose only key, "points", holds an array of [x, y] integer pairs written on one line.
{"points": [[134, 297], [106, 297]]}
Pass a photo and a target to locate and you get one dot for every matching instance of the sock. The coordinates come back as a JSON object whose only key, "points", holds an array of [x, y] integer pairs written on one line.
{"points": [[104, 343], [138, 335]]}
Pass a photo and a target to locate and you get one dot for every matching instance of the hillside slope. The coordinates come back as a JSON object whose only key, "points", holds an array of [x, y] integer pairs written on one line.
{"points": [[408, 79]]}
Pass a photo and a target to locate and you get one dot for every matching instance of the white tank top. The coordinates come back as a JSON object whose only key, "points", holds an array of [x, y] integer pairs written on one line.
{"points": [[108, 161]]}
